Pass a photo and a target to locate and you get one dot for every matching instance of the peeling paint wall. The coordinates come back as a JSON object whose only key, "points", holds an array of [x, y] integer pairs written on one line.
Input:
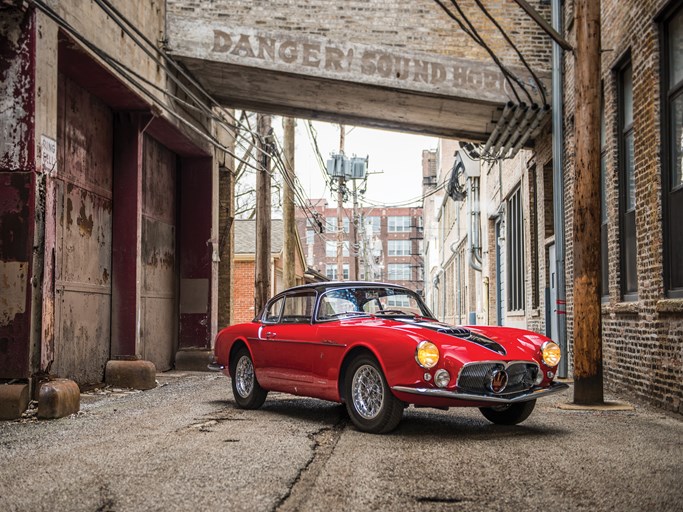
{"points": [[16, 90], [84, 235], [17, 185], [159, 324]]}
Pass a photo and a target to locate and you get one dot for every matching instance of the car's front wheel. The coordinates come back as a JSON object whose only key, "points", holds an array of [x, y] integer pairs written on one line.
{"points": [[508, 414], [245, 388], [369, 401]]}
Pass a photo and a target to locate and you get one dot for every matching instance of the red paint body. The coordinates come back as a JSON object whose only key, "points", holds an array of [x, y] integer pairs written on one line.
{"points": [[308, 359]]}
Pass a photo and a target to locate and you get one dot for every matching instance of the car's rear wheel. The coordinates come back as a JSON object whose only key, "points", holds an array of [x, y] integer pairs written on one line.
{"points": [[369, 401], [245, 388], [508, 414]]}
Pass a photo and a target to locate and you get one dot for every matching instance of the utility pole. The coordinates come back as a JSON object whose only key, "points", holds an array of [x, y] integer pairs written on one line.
{"points": [[289, 222], [354, 233], [340, 209], [263, 224], [588, 385]]}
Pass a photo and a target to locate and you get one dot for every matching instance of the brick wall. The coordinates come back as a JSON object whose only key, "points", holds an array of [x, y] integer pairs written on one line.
{"points": [[642, 338], [243, 287], [418, 25]]}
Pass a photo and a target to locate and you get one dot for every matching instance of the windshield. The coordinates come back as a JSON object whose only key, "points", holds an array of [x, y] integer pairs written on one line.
{"points": [[365, 301]]}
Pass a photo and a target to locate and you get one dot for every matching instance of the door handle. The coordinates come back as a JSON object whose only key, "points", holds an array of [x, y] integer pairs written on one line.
{"points": [[270, 335]]}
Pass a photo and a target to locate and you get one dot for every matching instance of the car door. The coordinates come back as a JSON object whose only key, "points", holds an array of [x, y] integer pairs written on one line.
{"points": [[288, 345]]}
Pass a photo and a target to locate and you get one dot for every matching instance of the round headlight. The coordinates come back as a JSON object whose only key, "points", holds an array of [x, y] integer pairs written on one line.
{"points": [[551, 353], [442, 378], [427, 355]]}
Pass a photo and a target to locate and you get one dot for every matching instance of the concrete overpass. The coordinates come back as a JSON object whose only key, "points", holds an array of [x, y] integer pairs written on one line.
{"points": [[402, 65]]}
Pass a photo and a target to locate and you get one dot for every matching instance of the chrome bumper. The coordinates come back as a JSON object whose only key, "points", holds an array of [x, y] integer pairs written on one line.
{"points": [[525, 396], [215, 367]]}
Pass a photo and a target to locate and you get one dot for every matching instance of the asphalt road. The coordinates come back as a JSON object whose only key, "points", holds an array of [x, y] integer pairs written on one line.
{"points": [[185, 446]]}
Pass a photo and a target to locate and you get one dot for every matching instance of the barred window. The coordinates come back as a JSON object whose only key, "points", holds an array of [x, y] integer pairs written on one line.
{"points": [[672, 140], [627, 185], [515, 252]]}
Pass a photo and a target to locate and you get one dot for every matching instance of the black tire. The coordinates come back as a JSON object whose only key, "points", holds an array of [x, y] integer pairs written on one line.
{"points": [[508, 414], [375, 418], [247, 391]]}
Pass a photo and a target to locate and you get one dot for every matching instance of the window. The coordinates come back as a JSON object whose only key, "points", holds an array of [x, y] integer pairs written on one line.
{"points": [[515, 252], [399, 248], [273, 311], [331, 271], [298, 308], [310, 237], [604, 248], [331, 224], [399, 271], [375, 223], [672, 139], [627, 200], [399, 224], [331, 248]]}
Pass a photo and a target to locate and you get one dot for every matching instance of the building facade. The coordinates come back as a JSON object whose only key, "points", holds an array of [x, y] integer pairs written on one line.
{"points": [[388, 248], [108, 195], [641, 240]]}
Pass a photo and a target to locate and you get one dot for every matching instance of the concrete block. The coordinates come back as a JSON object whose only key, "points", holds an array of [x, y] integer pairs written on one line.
{"points": [[193, 360], [137, 374], [13, 400], [58, 398]]}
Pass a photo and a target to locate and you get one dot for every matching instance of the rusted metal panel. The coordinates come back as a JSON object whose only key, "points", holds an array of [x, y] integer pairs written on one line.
{"points": [[16, 90], [83, 246], [16, 232], [86, 136], [159, 270]]}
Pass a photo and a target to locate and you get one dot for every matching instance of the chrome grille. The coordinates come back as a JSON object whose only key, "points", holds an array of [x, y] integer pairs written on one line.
{"points": [[474, 377]]}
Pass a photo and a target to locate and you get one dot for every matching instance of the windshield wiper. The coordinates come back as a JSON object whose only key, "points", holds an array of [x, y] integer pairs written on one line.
{"points": [[394, 312], [351, 313]]}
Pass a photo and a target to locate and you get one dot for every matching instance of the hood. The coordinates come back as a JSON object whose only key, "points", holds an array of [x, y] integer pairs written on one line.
{"points": [[462, 333]]}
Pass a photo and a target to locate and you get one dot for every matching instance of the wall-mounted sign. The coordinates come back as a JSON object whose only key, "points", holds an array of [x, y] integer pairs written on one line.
{"points": [[48, 154]]}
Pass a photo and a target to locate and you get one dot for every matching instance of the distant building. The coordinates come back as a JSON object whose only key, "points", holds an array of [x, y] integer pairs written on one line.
{"points": [[389, 244], [245, 257]]}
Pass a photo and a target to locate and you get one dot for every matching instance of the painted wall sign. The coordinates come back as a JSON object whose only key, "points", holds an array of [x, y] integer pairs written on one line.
{"points": [[48, 154], [353, 62]]}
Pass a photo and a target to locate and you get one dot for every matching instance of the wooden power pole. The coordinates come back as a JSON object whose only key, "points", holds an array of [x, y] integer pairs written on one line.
{"points": [[340, 210], [262, 263], [289, 222], [588, 386]]}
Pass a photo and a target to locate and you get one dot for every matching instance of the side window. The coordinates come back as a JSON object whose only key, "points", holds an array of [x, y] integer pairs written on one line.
{"points": [[298, 308], [272, 315]]}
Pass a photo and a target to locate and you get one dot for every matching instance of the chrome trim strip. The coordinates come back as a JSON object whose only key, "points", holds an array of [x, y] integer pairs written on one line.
{"points": [[533, 394]]}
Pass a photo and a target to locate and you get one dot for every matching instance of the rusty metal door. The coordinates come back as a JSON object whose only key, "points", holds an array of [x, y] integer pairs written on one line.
{"points": [[158, 315], [83, 236]]}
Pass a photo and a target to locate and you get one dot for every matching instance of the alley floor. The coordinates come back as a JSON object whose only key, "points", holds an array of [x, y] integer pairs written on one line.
{"points": [[185, 446]]}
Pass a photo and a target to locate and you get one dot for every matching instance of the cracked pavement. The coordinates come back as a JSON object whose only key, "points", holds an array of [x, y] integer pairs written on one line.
{"points": [[185, 446]]}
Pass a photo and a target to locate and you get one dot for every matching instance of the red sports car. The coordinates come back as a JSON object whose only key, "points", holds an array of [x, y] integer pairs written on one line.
{"points": [[377, 348]]}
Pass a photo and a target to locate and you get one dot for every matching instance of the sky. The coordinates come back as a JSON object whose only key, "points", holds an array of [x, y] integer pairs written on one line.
{"points": [[395, 157]]}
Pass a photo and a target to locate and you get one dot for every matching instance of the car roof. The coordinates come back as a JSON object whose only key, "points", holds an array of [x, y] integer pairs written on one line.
{"points": [[331, 285]]}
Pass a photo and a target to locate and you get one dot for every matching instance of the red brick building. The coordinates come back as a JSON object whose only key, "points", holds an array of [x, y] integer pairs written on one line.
{"points": [[389, 246], [244, 265]]}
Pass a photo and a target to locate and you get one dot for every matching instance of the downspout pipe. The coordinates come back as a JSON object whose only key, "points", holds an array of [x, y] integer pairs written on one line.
{"points": [[473, 245], [558, 190]]}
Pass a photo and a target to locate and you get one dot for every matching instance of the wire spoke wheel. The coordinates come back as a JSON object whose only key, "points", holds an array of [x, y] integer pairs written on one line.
{"points": [[370, 403], [367, 392], [246, 389], [244, 376]]}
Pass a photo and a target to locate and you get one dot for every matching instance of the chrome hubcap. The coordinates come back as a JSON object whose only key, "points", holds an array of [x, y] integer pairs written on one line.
{"points": [[244, 376], [367, 391]]}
